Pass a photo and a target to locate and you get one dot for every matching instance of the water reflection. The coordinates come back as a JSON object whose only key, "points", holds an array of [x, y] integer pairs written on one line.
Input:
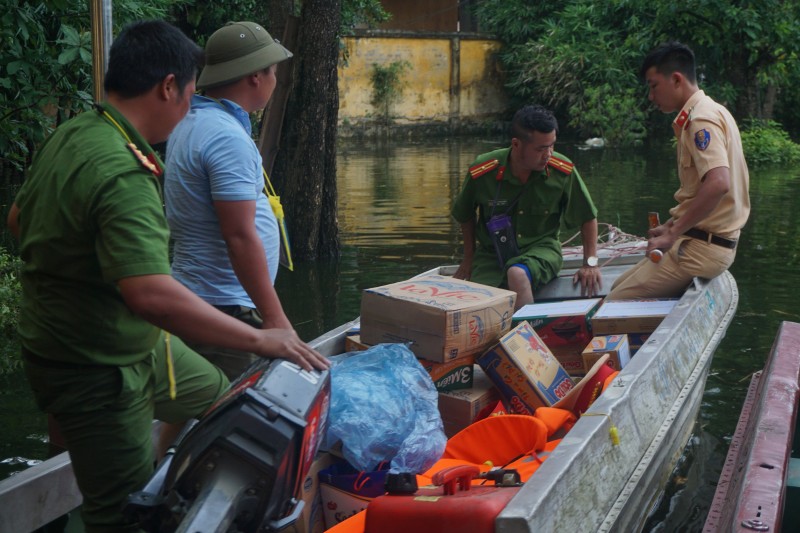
{"points": [[394, 203]]}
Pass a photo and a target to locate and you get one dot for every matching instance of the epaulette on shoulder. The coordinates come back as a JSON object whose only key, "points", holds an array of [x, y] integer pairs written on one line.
{"points": [[560, 164], [480, 169], [147, 161]]}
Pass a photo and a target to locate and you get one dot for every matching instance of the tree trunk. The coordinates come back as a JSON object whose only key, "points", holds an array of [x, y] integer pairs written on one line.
{"points": [[304, 171]]}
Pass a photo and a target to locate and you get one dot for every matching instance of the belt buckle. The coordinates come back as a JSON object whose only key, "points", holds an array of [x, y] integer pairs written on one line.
{"points": [[710, 237]]}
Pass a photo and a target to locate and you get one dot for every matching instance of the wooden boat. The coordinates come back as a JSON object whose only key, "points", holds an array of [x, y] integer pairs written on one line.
{"points": [[588, 483], [759, 487]]}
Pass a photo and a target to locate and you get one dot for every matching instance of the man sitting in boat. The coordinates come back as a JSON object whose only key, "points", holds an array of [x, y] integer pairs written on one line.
{"points": [[514, 201], [699, 239]]}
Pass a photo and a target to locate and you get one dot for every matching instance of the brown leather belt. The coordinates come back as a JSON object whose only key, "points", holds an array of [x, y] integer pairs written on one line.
{"points": [[710, 237]]}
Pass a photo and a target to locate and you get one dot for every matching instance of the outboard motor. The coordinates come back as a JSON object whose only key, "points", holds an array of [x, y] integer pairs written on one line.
{"points": [[239, 468]]}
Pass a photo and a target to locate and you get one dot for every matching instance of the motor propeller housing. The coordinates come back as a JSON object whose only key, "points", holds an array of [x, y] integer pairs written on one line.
{"points": [[240, 467]]}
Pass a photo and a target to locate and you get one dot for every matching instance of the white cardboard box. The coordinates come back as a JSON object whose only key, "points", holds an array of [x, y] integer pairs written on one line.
{"points": [[631, 316]]}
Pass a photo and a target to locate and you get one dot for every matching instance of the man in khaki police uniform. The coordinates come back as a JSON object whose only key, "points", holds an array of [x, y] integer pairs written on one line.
{"points": [[700, 238]]}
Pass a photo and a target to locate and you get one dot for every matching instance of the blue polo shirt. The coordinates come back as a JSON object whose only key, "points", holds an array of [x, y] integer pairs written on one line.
{"points": [[211, 157]]}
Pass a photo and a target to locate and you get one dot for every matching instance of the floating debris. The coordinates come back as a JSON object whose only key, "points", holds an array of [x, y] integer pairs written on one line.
{"points": [[20, 461]]}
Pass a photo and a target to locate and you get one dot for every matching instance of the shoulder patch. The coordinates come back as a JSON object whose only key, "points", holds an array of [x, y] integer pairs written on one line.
{"points": [[480, 169], [559, 164], [702, 139], [147, 162]]}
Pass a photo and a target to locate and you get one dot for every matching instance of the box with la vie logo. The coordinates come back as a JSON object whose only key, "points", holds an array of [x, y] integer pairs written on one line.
{"points": [[442, 318]]}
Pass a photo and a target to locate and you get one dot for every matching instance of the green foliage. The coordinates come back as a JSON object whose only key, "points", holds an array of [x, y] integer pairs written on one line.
{"points": [[580, 61], [765, 142], [200, 19], [10, 292], [362, 13], [387, 85], [582, 57], [46, 67], [614, 115]]}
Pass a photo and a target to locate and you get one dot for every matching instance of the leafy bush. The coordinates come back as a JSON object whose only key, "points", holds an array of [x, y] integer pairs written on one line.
{"points": [[10, 293], [765, 142], [46, 67]]}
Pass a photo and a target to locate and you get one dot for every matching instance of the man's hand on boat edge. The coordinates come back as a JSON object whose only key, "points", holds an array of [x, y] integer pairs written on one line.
{"points": [[590, 279]]}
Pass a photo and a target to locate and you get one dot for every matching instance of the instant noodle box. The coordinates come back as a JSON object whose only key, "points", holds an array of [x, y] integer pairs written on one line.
{"points": [[525, 371], [442, 318], [453, 375], [460, 408], [616, 346], [564, 327]]}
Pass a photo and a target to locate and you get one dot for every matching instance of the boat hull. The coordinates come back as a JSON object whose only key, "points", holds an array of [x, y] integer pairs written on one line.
{"points": [[591, 484], [757, 489]]}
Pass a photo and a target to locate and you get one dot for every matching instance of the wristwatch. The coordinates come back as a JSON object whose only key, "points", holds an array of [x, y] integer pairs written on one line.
{"points": [[591, 261]]}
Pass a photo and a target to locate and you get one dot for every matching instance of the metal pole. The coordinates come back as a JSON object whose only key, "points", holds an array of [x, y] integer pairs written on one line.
{"points": [[100, 11]]}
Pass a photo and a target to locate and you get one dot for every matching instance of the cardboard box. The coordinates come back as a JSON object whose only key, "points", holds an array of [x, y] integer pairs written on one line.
{"points": [[635, 341], [525, 371], [631, 316], [345, 491], [564, 323], [312, 519], [571, 359], [616, 346], [442, 317], [565, 327], [453, 375], [459, 408], [352, 343]]}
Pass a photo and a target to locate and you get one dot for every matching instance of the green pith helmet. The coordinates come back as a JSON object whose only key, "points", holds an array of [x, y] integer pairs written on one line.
{"points": [[236, 50]]}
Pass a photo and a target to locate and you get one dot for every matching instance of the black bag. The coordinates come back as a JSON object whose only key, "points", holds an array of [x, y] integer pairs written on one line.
{"points": [[501, 229], [501, 232]]}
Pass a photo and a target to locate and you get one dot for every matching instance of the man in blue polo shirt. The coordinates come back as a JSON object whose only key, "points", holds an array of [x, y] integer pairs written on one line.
{"points": [[226, 237]]}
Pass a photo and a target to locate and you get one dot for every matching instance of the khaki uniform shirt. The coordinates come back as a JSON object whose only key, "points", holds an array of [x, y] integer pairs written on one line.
{"points": [[708, 138]]}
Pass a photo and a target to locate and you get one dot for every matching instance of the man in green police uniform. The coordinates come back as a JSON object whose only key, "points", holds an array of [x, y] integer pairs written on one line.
{"points": [[522, 195], [96, 285]]}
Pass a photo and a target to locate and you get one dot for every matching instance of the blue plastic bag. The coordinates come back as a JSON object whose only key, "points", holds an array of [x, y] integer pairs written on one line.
{"points": [[384, 407]]}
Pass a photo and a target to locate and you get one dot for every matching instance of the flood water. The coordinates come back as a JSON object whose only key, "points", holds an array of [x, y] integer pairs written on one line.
{"points": [[394, 202]]}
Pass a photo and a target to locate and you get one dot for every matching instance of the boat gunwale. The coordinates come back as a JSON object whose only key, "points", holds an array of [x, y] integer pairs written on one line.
{"points": [[535, 501], [752, 487]]}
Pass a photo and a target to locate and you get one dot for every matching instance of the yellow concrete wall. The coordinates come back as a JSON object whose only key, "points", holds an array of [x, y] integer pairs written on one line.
{"points": [[482, 90], [427, 95]]}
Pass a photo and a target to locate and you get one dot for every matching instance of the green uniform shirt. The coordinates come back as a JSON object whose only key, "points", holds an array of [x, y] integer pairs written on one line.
{"points": [[90, 214], [551, 199]]}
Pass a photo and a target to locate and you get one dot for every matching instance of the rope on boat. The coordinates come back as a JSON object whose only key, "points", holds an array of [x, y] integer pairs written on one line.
{"points": [[612, 242]]}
